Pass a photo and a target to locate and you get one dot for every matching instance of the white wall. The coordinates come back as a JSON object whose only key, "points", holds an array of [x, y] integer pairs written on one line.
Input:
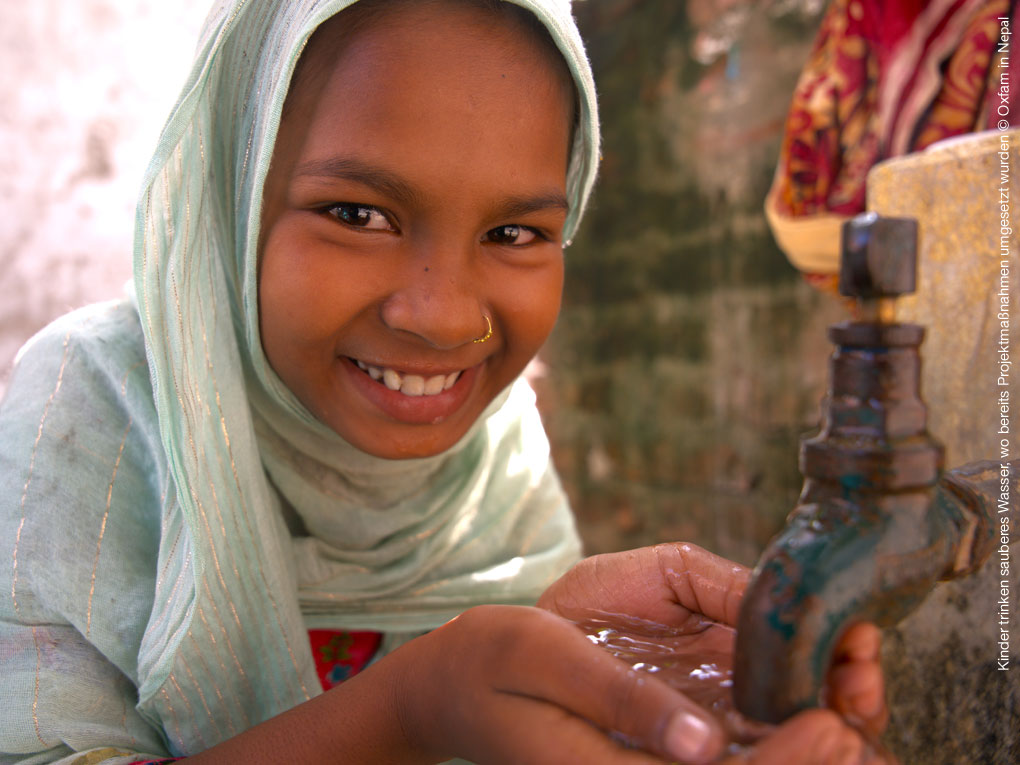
{"points": [[84, 89]]}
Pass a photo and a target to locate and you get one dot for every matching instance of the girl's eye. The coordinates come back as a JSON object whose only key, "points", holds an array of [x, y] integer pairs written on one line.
{"points": [[512, 235], [360, 216]]}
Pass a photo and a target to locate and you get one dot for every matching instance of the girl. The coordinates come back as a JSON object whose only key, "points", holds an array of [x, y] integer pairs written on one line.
{"points": [[308, 417]]}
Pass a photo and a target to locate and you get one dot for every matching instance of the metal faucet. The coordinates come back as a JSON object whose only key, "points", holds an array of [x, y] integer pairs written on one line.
{"points": [[878, 522]]}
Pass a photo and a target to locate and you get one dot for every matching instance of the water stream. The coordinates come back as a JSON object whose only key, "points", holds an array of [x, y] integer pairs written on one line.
{"points": [[695, 658]]}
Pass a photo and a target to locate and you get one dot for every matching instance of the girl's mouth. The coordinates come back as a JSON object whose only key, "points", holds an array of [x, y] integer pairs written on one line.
{"points": [[409, 384], [415, 399]]}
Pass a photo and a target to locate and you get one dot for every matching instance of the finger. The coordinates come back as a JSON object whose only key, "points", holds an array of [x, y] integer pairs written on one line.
{"points": [[524, 736], [857, 691], [565, 669], [856, 683], [626, 582], [665, 584], [861, 642], [703, 582], [815, 737]]}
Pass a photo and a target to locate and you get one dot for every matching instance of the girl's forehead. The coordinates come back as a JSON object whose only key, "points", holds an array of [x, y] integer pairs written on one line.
{"points": [[455, 107], [386, 77], [376, 30]]}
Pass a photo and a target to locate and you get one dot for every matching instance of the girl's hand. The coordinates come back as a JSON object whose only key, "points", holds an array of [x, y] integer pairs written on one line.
{"points": [[679, 584], [498, 684], [507, 684]]}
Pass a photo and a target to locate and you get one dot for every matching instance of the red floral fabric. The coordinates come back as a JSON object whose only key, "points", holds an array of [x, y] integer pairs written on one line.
{"points": [[340, 654], [885, 78]]}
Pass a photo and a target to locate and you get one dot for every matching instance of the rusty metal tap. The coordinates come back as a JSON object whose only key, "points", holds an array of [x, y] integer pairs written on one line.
{"points": [[877, 523]]}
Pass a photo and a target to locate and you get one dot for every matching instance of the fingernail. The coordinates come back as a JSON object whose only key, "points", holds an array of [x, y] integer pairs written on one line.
{"points": [[689, 738]]}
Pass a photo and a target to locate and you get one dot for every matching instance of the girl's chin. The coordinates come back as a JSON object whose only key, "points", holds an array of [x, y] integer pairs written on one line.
{"points": [[386, 439], [403, 447]]}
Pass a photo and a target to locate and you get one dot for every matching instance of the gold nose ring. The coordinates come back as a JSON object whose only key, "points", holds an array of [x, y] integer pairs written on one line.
{"points": [[488, 331]]}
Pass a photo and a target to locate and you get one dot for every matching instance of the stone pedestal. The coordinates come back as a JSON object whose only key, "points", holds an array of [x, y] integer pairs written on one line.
{"points": [[950, 701]]}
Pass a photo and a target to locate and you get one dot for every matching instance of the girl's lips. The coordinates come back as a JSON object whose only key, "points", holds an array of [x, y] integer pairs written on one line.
{"points": [[410, 409]]}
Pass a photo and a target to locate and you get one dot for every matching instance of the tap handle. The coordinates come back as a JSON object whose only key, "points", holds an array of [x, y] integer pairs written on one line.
{"points": [[879, 257]]}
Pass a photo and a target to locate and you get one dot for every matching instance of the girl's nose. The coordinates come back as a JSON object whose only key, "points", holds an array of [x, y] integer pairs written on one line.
{"points": [[440, 304]]}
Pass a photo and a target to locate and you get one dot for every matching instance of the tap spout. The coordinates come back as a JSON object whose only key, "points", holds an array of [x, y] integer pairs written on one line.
{"points": [[838, 562], [878, 523]]}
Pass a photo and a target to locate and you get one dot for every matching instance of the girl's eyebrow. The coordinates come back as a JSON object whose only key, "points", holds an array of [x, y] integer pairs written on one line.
{"points": [[518, 206], [360, 172], [394, 186]]}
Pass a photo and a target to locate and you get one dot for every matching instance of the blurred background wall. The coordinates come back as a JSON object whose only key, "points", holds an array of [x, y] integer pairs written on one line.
{"points": [[85, 89], [689, 357]]}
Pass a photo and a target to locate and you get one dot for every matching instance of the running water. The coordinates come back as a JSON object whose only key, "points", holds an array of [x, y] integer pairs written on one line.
{"points": [[695, 658]]}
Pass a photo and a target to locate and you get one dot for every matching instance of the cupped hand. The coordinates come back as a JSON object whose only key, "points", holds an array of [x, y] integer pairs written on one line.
{"points": [[697, 595], [510, 684]]}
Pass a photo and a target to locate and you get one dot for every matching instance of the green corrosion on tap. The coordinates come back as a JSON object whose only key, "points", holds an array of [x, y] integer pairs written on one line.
{"points": [[878, 522]]}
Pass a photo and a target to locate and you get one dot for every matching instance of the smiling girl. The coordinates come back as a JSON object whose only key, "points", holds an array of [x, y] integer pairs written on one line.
{"points": [[306, 426], [411, 251]]}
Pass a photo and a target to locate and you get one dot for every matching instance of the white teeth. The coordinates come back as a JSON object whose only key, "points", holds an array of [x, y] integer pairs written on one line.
{"points": [[434, 385], [410, 385], [414, 385], [392, 379]]}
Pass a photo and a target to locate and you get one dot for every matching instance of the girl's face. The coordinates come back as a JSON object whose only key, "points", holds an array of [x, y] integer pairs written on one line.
{"points": [[417, 187]]}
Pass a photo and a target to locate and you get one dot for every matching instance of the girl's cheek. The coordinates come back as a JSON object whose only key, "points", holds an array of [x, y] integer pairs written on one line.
{"points": [[298, 285], [536, 302]]}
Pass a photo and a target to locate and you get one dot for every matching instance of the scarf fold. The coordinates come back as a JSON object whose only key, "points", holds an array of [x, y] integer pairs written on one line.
{"points": [[194, 504]]}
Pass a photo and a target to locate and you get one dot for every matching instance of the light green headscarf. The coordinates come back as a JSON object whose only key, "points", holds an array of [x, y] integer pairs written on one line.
{"points": [[110, 460]]}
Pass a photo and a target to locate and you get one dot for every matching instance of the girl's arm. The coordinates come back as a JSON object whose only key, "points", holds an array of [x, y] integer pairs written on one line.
{"points": [[497, 684], [504, 684]]}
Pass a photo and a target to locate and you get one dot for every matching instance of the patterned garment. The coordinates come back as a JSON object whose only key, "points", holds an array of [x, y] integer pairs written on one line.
{"points": [[885, 78], [340, 654]]}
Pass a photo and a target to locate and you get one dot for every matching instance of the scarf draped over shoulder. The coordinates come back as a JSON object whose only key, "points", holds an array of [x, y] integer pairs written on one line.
{"points": [[165, 496]]}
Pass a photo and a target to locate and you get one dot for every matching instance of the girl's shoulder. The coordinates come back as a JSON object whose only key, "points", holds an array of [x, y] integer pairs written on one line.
{"points": [[79, 380], [99, 337], [82, 471]]}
